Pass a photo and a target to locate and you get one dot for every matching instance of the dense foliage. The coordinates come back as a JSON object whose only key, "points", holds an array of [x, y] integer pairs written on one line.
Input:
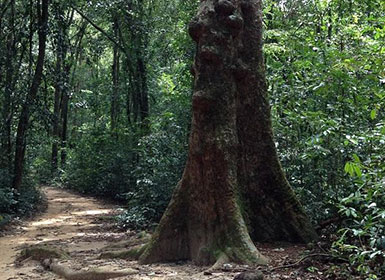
{"points": [[325, 66], [113, 112]]}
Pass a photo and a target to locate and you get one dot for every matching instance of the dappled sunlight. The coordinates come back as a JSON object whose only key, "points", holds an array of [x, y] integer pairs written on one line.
{"points": [[70, 221], [92, 212], [52, 221]]}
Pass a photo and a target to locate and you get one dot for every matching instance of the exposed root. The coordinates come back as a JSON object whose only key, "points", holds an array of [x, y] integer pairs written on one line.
{"points": [[231, 256], [250, 275], [39, 253], [50, 256], [130, 254], [143, 238], [92, 274], [222, 259]]}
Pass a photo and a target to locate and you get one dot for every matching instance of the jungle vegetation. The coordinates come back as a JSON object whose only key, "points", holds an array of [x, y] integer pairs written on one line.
{"points": [[97, 96]]}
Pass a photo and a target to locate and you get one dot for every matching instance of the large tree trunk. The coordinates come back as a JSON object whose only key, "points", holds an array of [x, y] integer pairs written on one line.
{"points": [[271, 208], [31, 96], [232, 174]]}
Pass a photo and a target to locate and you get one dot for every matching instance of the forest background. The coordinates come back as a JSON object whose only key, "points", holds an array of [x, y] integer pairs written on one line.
{"points": [[112, 114]]}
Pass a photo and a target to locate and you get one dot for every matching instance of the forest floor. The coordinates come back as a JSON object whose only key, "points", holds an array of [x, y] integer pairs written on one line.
{"points": [[83, 226]]}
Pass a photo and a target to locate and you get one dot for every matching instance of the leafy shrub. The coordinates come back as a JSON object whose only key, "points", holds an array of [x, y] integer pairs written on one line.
{"points": [[28, 200], [324, 90], [16, 204], [362, 239], [138, 217], [106, 169], [7, 201], [162, 157], [143, 176]]}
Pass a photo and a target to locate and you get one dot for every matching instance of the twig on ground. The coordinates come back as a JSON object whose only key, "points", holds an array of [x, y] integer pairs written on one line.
{"points": [[305, 258]]}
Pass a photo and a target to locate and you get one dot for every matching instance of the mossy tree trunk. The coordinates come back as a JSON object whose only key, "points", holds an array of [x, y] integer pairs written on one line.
{"points": [[232, 174]]}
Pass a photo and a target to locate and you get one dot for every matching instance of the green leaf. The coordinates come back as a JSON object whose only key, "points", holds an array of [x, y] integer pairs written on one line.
{"points": [[349, 168], [373, 114], [357, 170], [312, 269], [356, 158]]}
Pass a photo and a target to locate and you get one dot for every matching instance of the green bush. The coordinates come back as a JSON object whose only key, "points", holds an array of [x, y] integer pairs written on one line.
{"points": [[142, 175], [138, 218], [28, 200], [17, 204], [106, 169], [362, 237], [7, 201], [162, 156]]}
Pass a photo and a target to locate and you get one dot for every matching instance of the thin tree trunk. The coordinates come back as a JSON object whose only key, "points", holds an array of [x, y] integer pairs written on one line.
{"points": [[62, 74], [115, 78], [7, 116], [55, 131], [129, 99], [31, 96], [64, 115], [6, 145], [12, 77], [330, 26], [135, 97], [2, 44], [73, 62], [30, 41], [143, 99], [57, 98], [64, 128]]}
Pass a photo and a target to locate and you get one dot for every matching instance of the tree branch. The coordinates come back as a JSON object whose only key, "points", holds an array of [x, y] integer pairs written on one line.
{"points": [[4, 7], [305, 258], [109, 37]]}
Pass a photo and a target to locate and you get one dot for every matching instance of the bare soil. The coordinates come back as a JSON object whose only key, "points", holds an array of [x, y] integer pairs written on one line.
{"points": [[83, 226]]}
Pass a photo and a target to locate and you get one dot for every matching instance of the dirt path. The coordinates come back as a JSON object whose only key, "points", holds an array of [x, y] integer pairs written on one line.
{"points": [[70, 222], [83, 226]]}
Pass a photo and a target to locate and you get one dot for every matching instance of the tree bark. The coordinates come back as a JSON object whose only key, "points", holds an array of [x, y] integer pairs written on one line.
{"points": [[232, 172], [270, 207], [58, 92], [64, 127], [115, 77], [6, 144], [31, 96], [143, 103], [62, 77]]}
